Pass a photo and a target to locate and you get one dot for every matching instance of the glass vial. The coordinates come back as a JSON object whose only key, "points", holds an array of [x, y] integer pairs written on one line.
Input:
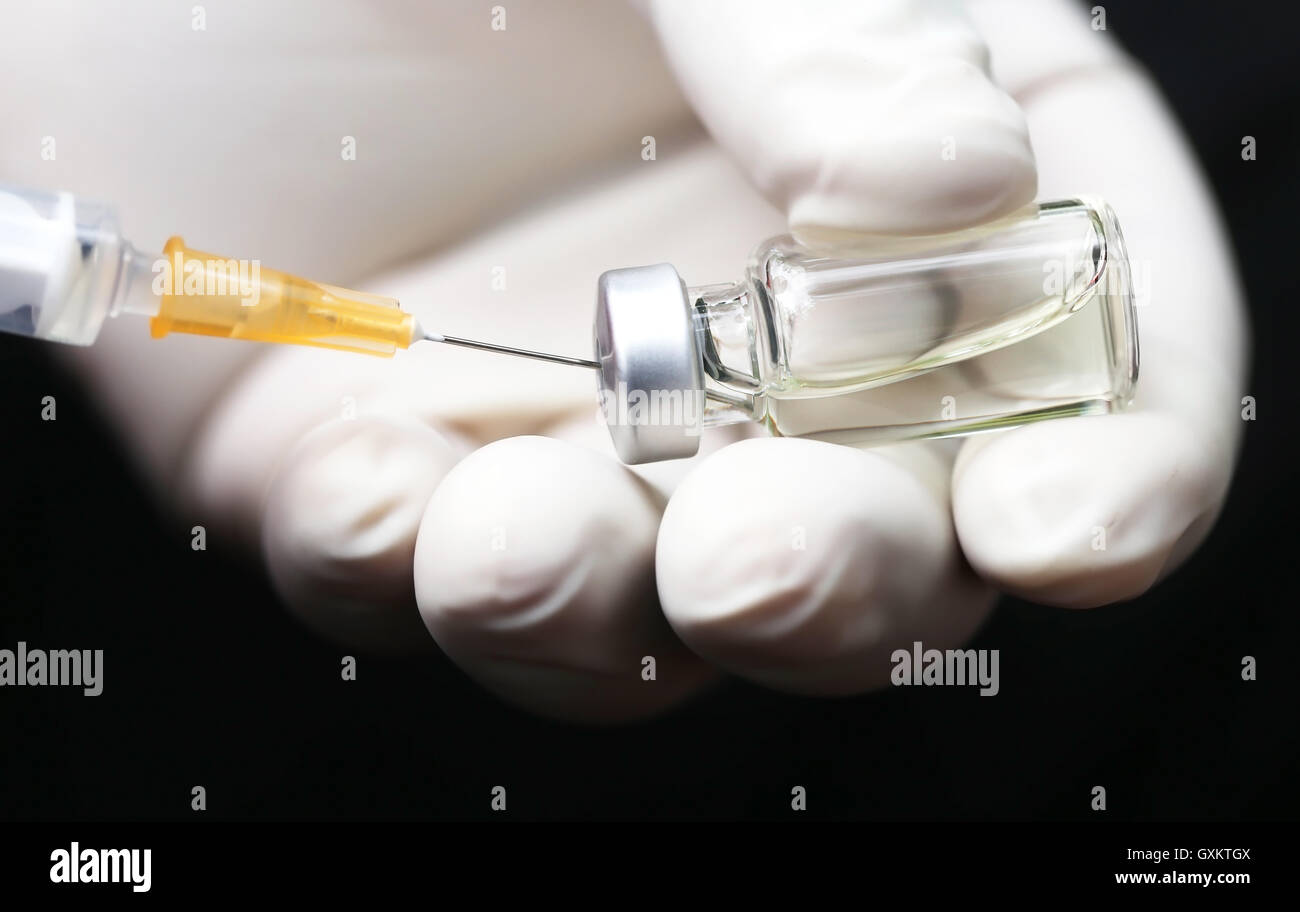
{"points": [[1020, 320]]}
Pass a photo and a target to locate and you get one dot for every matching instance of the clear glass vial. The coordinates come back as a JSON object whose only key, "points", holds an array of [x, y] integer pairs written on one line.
{"points": [[1020, 320]]}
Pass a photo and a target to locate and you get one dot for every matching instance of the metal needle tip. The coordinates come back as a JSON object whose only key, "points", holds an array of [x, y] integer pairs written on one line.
{"points": [[507, 350]]}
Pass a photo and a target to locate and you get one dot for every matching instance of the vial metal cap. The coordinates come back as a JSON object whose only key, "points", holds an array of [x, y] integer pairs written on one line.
{"points": [[651, 378]]}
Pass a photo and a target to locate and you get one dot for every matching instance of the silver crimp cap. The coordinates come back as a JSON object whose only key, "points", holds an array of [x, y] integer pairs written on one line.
{"points": [[651, 377]]}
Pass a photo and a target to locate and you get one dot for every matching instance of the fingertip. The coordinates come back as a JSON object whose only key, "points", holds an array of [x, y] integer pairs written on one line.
{"points": [[935, 169], [887, 119], [1087, 511], [534, 572], [803, 565], [339, 527]]}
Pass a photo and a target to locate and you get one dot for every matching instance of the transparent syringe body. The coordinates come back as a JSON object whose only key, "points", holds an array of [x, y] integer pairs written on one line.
{"points": [[65, 267], [1024, 319]]}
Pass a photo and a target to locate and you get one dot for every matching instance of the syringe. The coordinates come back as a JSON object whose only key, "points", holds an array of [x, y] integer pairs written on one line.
{"points": [[65, 268], [1016, 321]]}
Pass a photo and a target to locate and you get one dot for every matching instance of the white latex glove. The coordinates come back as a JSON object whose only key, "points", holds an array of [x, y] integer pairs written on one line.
{"points": [[838, 114], [537, 559]]}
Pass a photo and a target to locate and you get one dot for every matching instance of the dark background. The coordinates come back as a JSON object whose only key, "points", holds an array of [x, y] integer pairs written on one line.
{"points": [[210, 682]]}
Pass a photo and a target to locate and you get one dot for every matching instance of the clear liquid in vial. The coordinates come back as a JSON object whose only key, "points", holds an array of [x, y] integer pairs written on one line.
{"points": [[1079, 365], [1025, 320]]}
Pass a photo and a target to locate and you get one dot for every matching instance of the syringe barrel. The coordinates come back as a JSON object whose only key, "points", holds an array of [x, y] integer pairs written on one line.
{"points": [[61, 260]]}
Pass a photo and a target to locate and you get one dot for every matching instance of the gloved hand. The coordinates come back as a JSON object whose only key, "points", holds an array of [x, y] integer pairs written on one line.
{"points": [[541, 565]]}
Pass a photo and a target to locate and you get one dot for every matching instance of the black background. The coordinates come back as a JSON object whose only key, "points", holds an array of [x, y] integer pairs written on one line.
{"points": [[210, 682]]}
